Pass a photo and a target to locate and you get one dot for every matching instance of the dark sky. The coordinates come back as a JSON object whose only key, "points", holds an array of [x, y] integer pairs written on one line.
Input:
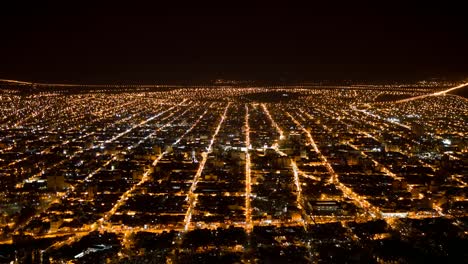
{"points": [[151, 43]]}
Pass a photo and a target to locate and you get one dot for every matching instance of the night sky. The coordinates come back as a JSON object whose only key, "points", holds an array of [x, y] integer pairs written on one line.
{"points": [[154, 43]]}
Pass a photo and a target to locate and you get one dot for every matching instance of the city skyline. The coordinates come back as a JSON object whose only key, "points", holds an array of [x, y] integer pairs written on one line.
{"points": [[224, 133], [233, 173]]}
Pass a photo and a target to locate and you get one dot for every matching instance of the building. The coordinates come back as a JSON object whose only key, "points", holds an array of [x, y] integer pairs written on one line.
{"points": [[55, 182]]}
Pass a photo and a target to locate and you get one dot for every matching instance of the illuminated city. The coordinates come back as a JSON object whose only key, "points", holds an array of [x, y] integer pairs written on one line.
{"points": [[265, 132], [233, 173]]}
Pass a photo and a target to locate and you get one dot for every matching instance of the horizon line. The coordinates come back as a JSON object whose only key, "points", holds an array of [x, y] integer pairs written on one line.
{"points": [[227, 82]]}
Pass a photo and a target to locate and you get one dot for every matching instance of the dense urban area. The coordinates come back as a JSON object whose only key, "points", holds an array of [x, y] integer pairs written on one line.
{"points": [[233, 173]]}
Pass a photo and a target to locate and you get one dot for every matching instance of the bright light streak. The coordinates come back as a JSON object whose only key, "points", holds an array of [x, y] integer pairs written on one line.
{"points": [[278, 129], [432, 94], [191, 195], [296, 181], [295, 169], [248, 183]]}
